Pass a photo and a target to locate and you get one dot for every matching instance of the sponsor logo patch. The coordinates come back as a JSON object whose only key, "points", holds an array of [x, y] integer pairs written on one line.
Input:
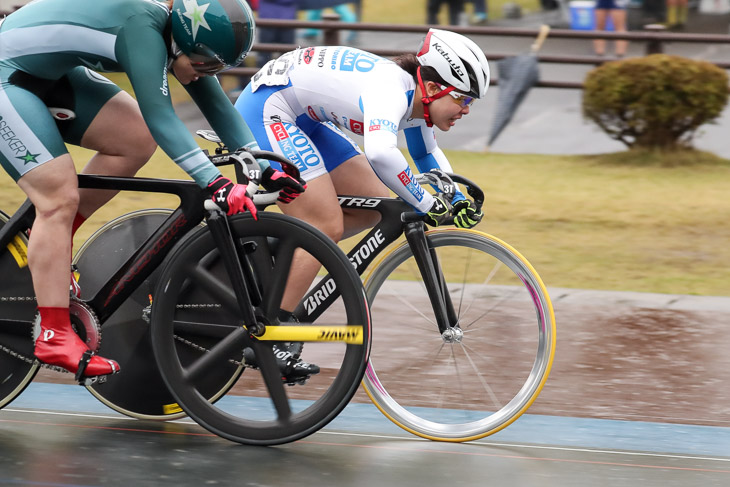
{"points": [[11, 140], [295, 145], [406, 178], [382, 124]]}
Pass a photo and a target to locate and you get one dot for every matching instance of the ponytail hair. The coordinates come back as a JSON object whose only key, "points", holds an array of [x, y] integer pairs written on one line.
{"points": [[409, 63]]}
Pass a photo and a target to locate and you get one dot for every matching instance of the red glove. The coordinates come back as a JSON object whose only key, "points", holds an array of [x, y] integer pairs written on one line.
{"points": [[230, 197], [288, 187]]}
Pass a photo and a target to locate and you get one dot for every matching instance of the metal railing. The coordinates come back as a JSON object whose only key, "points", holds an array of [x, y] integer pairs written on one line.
{"points": [[654, 36]]}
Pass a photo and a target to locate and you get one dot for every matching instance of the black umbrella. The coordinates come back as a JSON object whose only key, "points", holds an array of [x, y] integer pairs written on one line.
{"points": [[517, 74]]}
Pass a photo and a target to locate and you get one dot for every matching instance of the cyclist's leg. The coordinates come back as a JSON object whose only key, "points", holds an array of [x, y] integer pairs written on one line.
{"points": [[356, 177], [52, 187], [108, 121], [279, 128], [41, 165], [39, 161]]}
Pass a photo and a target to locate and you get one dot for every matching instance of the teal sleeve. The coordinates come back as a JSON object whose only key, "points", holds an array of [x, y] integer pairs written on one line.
{"points": [[222, 116], [142, 54]]}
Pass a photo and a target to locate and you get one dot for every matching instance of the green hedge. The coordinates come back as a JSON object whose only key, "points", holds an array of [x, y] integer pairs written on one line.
{"points": [[658, 101]]}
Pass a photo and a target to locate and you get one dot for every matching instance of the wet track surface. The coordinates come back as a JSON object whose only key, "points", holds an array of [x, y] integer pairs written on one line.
{"points": [[637, 396]]}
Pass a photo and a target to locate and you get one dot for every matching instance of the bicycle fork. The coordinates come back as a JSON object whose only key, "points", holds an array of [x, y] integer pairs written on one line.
{"points": [[243, 284], [433, 278]]}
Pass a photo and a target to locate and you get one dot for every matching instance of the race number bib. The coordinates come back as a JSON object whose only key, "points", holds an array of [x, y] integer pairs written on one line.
{"points": [[274, 73]]}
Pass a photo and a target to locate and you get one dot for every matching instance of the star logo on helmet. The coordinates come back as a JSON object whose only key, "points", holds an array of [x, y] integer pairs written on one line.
{"points": [[196, 14]]}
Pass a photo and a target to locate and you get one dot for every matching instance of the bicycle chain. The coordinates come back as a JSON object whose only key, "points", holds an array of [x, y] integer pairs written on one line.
{"points": [[33, 360], [13, 353], [200, 348]]}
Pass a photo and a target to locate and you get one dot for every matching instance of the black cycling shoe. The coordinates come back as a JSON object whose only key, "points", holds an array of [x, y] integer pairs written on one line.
{"points": [[293, 369]]}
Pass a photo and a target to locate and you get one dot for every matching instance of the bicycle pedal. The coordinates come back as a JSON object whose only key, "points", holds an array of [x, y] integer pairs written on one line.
{"points": [[87, 381], [295, 381]]}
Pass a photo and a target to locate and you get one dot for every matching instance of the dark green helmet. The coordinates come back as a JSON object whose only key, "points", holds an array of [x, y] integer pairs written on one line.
{"points": [[215, 34]]}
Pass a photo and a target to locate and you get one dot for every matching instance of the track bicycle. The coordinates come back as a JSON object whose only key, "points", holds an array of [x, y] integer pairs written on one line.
{"points": [[457, 314], [218, 290]]}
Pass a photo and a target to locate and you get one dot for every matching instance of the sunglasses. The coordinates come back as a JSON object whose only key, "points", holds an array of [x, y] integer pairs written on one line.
{"points": [[205, 61], [462, 100]]}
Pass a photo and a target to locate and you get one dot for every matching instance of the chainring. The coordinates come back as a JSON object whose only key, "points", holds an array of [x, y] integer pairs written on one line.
{"points": [[83, 322]]}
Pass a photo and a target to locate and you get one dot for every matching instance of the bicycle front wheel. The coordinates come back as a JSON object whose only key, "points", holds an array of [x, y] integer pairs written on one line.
{"points": [[478, 377], [17, 312], [195, 298]]}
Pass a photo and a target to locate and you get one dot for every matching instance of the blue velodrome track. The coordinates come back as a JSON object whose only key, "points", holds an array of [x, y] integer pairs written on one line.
{"points": [[80, 442]]}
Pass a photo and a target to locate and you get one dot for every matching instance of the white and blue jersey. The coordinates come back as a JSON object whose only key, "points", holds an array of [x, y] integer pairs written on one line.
{"points": [[297, 105]]}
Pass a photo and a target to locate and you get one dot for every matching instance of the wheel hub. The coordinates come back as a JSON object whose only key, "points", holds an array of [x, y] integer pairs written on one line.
{"points": [[453, 335]]}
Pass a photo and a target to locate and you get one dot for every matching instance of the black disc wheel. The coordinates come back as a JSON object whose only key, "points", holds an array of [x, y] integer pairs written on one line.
{"points": [[193, 297]]}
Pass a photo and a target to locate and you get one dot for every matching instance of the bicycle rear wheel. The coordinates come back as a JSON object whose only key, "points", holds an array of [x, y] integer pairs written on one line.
{"points": [[258, 411], [17, 312], [139, 391], [482, 376]]}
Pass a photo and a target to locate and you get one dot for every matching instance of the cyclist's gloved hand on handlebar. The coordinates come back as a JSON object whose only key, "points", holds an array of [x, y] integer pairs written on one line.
{"points": [[231, 197], [288, 187], [440, 211], [466, 214]]}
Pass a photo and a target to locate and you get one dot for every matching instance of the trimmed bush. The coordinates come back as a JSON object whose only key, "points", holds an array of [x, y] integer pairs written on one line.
{"points": [[657, 101]]}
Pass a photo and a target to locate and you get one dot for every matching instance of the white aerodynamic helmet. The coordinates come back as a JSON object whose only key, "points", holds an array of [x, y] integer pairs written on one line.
{"points": [[457, 59]]}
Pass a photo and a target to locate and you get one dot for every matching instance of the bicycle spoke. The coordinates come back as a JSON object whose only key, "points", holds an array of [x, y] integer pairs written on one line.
{"points": [[231, 344], [215, 288], [463, 285], [412, 307], [272, 379], [486, 281], [494, 306], [487, 388]]}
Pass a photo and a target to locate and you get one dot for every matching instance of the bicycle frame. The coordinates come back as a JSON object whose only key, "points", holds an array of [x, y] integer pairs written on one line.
{"points": [[148, 257], [397, 218]]}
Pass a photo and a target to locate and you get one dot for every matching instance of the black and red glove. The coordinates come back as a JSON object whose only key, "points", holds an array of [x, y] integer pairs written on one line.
{"points": [[288, 187], [231, 197]]}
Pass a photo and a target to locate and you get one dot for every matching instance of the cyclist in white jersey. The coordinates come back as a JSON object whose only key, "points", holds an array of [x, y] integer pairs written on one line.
{"points": [[297, 106]]}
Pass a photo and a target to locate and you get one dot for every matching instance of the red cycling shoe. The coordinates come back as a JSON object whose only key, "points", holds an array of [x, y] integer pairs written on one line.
{"points": [[57, 344]]}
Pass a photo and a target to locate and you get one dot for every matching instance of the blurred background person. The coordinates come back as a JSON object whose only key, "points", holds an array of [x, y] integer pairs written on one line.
{"points": [[480, 14], [676, 13], [270, 9], [280, 10], [456, 7], [616, 11], [346, 13]]}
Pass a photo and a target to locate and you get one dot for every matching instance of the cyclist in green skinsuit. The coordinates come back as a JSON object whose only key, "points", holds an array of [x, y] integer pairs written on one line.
{"points": [[50, 51]]}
